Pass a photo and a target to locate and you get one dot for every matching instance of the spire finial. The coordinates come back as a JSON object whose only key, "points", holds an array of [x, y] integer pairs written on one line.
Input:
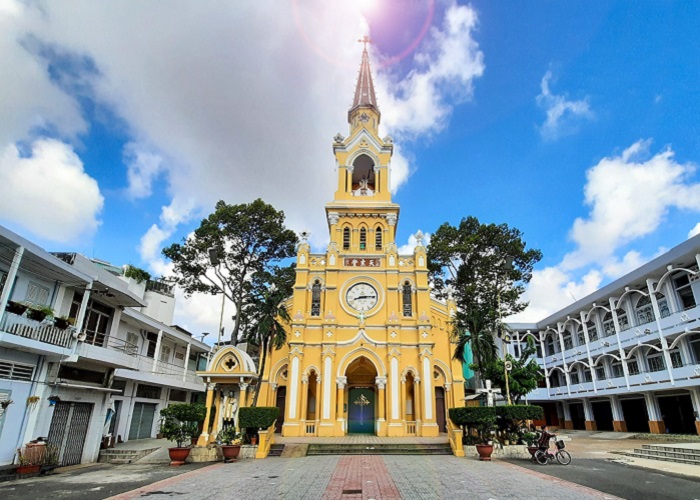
{"points": [[365, 40]]}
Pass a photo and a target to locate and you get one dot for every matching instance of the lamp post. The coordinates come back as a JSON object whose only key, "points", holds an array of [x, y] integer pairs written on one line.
{"points": [[215, 261], [508, 266]]}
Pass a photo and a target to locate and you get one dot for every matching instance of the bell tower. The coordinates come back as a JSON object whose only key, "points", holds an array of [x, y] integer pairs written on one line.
{"points": [[362, 204]]}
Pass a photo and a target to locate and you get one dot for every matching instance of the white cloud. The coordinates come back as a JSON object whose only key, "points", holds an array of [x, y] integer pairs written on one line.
{"points": [[412, 243], [48, 192], [154, 239], [629, 196], [143, 167], [563, 115], [694, 231]]}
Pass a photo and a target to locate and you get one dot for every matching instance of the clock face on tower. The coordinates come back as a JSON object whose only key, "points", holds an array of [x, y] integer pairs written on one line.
{"points": [[362, 297]]}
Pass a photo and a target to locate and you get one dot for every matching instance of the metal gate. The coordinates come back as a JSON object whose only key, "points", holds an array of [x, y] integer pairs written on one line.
{"points": [[142, 421], [68, 430]]}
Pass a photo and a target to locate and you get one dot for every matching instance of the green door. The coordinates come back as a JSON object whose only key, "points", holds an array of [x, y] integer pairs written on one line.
{"points": [[361, 411]]}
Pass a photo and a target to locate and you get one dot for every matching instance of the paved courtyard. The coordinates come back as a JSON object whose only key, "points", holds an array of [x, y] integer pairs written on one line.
{"points": [[363, 477]]}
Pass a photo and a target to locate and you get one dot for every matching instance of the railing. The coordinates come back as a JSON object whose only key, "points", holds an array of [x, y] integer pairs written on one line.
{"points": [[310, 428], [454, 435], [35, 330], [266, 439], [410, 428], [145, 364]]}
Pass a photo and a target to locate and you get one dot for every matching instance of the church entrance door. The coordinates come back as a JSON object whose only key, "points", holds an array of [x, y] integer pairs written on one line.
{"points": [[280, 403], [361, 402]]}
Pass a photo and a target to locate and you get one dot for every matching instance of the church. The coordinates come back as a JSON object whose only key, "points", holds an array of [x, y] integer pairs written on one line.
{"points": [[368, 346]]}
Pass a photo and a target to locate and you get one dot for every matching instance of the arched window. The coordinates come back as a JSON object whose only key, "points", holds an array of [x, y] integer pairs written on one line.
{"points": [[592, 331], [363, 239], [316, 298], [378, 238], [346, 238], [645, 312], [407, 293]]}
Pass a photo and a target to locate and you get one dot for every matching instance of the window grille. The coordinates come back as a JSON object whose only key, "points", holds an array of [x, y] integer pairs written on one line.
{"points": [[574, 378], [656, 363], [378, 238], [600, 373], [407, 299], [676, 361], [346, 238], [587, 375], [592, 331], [16, 371], [568, 341], [316, 298], [617, 370], [148, 391], [633, 367], [684, 291], [363, 239]]}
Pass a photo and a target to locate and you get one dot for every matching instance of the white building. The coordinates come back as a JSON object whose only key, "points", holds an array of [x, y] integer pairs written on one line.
{"points": [[627, 357], [120, 359]]}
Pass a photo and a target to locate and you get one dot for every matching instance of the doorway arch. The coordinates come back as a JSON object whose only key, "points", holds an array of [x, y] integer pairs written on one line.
{"points": [[362, 396]]}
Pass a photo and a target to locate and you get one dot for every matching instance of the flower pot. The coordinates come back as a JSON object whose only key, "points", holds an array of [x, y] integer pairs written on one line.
{"points": [[254, 440], [61, 323], [485, 451], [36, 315], [15, 308], [230, 452], [28, 469], [178, 456]]}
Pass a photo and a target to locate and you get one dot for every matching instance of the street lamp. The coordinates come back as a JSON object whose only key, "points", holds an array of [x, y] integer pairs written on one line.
{"points": [[508, 266], [215, 261]]}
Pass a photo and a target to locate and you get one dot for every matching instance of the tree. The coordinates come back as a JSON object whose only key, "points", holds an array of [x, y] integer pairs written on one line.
{"points": [[247, 240], [485, 267], [473, 329], [522, 378], [266, 314]]}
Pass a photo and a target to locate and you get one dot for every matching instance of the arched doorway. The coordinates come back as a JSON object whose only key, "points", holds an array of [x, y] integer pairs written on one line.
{"points": [[361, 400], [280, 402]]}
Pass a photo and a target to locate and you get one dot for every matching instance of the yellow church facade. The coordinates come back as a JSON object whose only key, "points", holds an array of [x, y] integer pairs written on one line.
{"points": [[368, 346]]}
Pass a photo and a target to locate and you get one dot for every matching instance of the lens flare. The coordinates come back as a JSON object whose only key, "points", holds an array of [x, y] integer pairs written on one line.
{"points": [[396, 29]]}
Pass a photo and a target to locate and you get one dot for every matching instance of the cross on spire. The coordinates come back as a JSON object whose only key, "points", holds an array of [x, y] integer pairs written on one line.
{"points": [[365, 40]]}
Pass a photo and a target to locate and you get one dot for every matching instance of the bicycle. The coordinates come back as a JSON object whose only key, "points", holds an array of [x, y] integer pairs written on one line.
{"points": [[562, 456]]}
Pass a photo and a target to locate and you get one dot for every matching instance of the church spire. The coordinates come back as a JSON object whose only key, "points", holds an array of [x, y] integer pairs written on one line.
{"points": [[364, 91]]}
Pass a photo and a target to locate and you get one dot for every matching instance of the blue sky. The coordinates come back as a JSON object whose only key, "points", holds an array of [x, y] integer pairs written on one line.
{"points": [[576, 122]]}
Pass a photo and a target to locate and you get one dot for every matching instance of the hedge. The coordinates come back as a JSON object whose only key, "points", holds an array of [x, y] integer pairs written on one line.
{"points": [[259, 417], [474, 415], [520, 412]]}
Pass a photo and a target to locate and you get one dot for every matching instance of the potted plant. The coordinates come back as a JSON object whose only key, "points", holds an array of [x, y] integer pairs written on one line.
{"points": [[63, 322], [16, 307], [29, 460], [5, 404], [230, 443], [480, 422], [179, 425], [50, 461], [39, 312]]}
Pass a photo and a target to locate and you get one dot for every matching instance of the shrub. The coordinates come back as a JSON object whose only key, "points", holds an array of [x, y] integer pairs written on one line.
{"points": [[480, 418], [257, 417], [520, 412], [180, 422]]}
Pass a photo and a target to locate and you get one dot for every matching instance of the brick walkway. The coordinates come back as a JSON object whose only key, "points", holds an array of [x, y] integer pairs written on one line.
{"points": [[366, 478]]}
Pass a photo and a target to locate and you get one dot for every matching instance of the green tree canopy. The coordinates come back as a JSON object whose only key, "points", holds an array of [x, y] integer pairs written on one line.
{"points": [[247, 240], [523, 377]]}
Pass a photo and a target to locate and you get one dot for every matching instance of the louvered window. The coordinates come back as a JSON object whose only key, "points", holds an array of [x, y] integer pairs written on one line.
{"points": [[346, 238], [16, 371]]}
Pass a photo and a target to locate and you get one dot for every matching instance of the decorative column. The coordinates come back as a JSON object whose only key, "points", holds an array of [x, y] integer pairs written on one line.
{"points": [[404, 400], [340, 402], [272, 395], [80, 320], [304, 401], [568, 422], [187, 360], [417, 415], [329, 425], [429, 426], [396, 426], [219, 408], [588, 350], [662, 338], [204, 437], [381, 399], [621, 351], [243, 394], [560, 327], [11, 274], [590, 417], [291, 422], [656, 424], [317, 406], [619, 424], [156, 355]]}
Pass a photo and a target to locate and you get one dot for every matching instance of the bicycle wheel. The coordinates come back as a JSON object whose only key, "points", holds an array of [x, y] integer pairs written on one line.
{"points": [[541, 457], [563, 457]]}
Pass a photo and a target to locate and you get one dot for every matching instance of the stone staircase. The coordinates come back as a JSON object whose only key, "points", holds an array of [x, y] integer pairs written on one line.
{"points": [[380, 449], [679, 453], [276, 450], [115, 456]]}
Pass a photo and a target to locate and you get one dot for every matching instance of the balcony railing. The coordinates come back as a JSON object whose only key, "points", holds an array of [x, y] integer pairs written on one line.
{"points": [[145, 364], [35, 330]]}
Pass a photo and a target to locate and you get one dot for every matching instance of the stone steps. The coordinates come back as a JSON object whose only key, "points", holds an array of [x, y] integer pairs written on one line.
{"points": [[276, 450], [379, 449], [668, 453], [118, 456]]}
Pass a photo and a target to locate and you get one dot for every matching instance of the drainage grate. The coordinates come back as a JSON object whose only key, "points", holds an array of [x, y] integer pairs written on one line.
{"points": [[351, 492]]}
